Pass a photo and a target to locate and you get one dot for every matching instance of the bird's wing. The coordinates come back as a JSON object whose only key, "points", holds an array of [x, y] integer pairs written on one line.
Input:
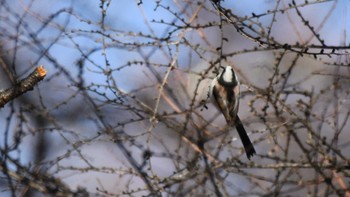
{"points": [[223, 96]]}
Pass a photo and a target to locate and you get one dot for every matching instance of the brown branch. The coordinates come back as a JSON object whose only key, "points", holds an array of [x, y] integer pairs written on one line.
{"points": [[22, 86], [340, 181], [42, 182]]}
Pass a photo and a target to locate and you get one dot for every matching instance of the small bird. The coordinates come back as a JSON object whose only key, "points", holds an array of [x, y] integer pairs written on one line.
{"points": [[224, 93]]}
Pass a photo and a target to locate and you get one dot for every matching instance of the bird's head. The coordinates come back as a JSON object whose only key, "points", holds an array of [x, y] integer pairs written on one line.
{"points": [[228, 76]]}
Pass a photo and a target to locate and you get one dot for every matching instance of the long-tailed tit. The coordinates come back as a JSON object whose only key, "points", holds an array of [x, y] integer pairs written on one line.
{"points": [[224, 93]]}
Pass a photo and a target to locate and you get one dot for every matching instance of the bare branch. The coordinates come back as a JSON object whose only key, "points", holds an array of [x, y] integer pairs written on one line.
{"points": [[22, 86]]}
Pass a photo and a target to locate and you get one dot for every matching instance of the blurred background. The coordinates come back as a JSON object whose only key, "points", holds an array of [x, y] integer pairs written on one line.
{"points": [[123, 110]]}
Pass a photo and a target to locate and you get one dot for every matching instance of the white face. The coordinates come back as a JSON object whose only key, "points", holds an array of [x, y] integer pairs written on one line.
{"points": [[228, 75]]}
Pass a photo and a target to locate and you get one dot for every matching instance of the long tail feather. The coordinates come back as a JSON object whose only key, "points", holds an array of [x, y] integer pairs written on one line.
{"points": [[248, 146]]}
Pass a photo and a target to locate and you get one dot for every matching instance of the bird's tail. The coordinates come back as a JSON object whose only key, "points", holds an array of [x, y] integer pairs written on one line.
{"points": [[248, 146]]}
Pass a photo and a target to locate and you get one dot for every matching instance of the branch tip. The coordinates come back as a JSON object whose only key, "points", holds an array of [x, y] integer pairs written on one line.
{"points": [[41, 70]]}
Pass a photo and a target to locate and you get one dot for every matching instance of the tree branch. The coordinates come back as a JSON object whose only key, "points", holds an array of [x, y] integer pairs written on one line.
{"points": [[22, 86]]}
